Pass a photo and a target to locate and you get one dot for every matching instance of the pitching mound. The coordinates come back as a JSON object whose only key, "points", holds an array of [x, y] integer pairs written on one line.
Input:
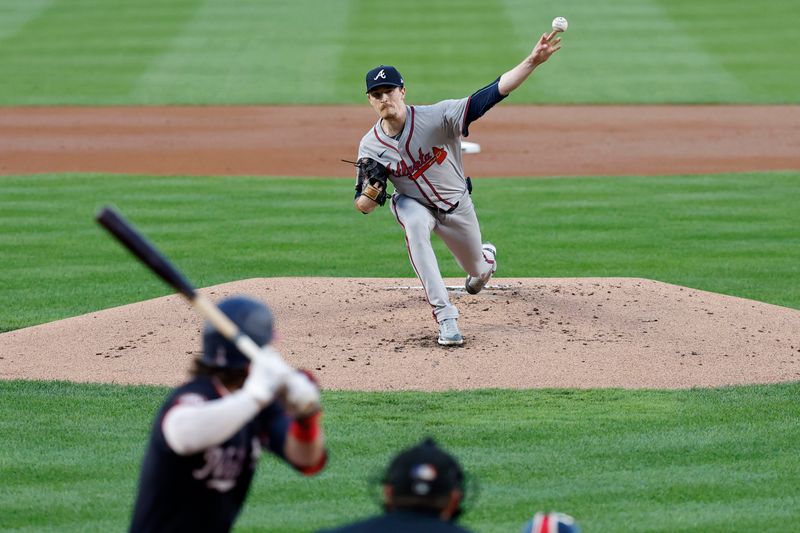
{"points": [[378, 334]]}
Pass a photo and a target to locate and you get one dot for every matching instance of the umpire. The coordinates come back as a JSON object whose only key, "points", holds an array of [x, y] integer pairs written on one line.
{"points": [[423, 489]]}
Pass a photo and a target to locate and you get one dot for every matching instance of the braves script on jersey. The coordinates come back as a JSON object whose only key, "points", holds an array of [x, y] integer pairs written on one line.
{"points": [[425, 162]]}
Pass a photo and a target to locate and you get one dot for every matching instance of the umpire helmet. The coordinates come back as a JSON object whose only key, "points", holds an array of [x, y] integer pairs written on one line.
{"points": [[423, 477], [254, 320]]}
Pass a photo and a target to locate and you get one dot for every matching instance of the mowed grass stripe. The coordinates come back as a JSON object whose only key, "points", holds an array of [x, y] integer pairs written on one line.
{"points": [[92, 52], [240, 51], [717, 32], [443, 51], [733, 234], [87, 52], [15, 15], [627, 51], [692, 460]]}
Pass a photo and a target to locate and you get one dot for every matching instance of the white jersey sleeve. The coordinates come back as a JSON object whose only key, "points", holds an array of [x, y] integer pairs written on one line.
{"points": [[195, 424]]}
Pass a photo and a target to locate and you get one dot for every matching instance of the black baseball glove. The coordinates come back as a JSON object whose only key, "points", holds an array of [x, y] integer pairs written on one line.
{"points": [[372, 178]]}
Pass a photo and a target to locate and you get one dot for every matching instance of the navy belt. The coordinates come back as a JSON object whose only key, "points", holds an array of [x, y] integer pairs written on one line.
{"points": [[444, 211]]}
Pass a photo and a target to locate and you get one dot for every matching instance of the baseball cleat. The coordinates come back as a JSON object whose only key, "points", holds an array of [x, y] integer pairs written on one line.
{"points": [[448, 332], [476, 284]]}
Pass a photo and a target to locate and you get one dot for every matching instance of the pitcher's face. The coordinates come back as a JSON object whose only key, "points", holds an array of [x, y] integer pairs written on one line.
{"points": [[388, 101]]}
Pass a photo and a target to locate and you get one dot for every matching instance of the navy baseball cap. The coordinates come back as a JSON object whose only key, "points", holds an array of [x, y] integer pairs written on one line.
{"points": [[383, 75], [424, 471]]}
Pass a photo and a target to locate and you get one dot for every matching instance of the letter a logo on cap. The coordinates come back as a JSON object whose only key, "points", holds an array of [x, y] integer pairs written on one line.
{"points": [[383, 75]]}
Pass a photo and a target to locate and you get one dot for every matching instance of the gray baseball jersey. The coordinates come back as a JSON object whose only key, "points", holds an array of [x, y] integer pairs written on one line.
{"points": [[430, 194], [425, 162]]}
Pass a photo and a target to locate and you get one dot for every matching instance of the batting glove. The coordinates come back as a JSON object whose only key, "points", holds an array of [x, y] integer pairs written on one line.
{"points": [[302, 395], [268, 374]]}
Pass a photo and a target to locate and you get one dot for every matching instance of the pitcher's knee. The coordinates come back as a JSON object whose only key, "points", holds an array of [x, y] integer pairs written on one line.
{"points": [[416, 231]]}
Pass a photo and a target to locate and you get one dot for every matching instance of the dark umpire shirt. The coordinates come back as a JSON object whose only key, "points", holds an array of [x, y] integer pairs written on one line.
{"points": [[204, 491], [401, 522]]}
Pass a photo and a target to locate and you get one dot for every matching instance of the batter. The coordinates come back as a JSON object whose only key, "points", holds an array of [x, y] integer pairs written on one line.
{"points": [[210, 432], [420, 146]]}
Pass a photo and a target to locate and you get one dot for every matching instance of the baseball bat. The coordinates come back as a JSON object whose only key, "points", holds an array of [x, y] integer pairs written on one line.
{"points": [[138, 245]]}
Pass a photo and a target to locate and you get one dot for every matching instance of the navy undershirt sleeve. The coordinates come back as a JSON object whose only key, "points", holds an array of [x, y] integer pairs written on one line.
{"points": [[480, 102]]}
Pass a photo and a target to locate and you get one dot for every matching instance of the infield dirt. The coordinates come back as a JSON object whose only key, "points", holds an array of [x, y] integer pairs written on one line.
{"points": [[310, 141]]}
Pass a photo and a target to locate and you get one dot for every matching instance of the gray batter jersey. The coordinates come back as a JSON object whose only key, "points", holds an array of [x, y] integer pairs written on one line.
{"points": [[425, 162]]}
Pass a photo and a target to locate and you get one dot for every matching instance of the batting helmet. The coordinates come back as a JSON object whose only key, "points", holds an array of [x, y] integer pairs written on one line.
{"points": [[254, 320], [551, 523]]}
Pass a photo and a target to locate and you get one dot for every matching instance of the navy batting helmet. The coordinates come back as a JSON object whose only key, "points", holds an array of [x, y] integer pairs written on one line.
{"points": [[253, 318]]}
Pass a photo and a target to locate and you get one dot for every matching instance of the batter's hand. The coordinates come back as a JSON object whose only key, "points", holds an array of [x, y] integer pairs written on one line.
{"points": [[547, 45], [302, 397], [268, 374]]}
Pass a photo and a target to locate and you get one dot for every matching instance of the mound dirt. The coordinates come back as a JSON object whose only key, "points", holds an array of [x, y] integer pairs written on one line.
{"points": [[520, 333]]}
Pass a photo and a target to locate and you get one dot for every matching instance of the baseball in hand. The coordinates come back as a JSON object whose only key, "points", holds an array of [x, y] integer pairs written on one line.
{"points": [[560, 24]]}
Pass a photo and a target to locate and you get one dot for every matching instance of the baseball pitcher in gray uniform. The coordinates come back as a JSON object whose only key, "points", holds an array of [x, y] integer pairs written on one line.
{"points": [[418, 149]]}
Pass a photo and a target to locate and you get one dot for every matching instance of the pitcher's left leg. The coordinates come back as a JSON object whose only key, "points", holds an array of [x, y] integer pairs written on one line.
{"points": [[417, 223], [462, 234]]}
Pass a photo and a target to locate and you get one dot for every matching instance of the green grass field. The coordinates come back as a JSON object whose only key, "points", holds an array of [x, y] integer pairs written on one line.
{"points": [[734, 234], [91, 52], [657, 461]]}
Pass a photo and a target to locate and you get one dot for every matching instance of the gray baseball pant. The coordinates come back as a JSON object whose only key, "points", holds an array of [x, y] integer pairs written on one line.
{"points": [[461, 233]]}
